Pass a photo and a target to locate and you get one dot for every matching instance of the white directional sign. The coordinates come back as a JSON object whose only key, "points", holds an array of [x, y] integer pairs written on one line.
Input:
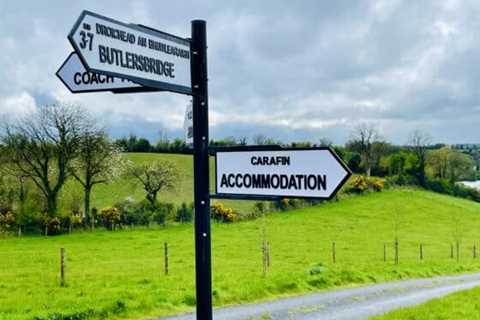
{"points": [[148, 57], [77, 79], [311, 173]]}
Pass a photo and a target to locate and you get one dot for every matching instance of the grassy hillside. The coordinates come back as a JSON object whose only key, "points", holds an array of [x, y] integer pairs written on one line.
{"points": [[106, 195], [121, 273], [464, 305]]}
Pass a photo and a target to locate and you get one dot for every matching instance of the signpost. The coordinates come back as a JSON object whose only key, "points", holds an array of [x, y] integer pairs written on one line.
{"points": [[201, 188], [120, 57], [143, 55], [274, 172], [77, 79]]}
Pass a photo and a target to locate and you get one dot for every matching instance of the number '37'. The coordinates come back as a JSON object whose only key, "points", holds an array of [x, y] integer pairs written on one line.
{"points": [[86, 39]]}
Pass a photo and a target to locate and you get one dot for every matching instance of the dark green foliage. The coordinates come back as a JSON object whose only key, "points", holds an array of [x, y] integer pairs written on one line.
{"points": [[134, 144], [287, 204], [54, 226], [132, 213], [402, 180], [260, 207], [143, 213], [162, 212], [439, 185], [184, 213], [354, 161]]}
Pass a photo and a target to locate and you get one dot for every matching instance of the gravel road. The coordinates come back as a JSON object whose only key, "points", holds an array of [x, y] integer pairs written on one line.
{"points": [[343, 304]]}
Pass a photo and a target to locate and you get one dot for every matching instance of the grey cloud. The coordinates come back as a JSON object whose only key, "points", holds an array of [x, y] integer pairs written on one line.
{"points": [[292, 70]]}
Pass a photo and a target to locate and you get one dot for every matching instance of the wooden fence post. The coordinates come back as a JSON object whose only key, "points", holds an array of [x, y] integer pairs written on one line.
{"points": [[268, 254], [396, 251], [264, 257], [62, 267], [451, 251], [334, 254], [384, 252], [165, 255], [421, 251], [458, 251]]}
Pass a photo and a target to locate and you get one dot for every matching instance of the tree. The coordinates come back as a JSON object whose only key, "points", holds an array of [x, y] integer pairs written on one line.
{"points": [[419, 143], [259, 139], [362, 141], [155, 177], [325, 142], [437, 161], [460, 166], [446, 163], [42, 146], [98, 161]]}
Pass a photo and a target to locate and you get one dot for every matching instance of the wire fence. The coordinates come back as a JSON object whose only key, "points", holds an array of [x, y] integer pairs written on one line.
{"points": [[57, 265]]}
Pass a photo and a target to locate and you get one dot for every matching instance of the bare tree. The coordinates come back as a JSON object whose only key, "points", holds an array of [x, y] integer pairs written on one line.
{"points": [[325, 142], [419, 142], [42, 146], [155, 177], [242, 140], [362, 140], [259, 139], [98, 161]]}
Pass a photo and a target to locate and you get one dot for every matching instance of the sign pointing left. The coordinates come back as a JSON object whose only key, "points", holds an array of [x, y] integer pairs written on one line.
{"points": [[78, 80], [145, 56]]}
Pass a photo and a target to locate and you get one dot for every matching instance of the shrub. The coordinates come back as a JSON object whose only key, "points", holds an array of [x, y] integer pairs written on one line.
{"points": [[361, 184], [162, 212], [132, 213], [184, 213], [54, 226], [76, 221], [376, 184], [221, 213], [296, 203], [357, 185], [281, 205], [402, 180], [110, 217], [259, 207], [439, 185], [7, 221]]}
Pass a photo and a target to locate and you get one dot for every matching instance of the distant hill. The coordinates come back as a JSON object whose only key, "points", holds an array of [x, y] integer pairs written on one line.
{"points": [[107, 194]]}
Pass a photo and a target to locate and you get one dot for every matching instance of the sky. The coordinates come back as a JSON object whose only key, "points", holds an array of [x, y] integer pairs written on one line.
{"points": [[289, 70]]}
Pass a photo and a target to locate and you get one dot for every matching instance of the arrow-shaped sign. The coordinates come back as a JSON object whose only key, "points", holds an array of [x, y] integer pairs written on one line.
{"points": [[145, 56], [256, 172], [78, 80]]}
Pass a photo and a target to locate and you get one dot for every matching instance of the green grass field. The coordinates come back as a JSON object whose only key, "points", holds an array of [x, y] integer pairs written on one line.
{"points": [[106, 195], [120, 274], [464, 305]]}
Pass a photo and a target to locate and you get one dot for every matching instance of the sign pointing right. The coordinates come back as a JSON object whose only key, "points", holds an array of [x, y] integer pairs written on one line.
{"points": [[276, 172]]}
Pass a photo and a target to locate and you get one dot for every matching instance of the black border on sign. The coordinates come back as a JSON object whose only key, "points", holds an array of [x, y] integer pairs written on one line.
{"points": [[275, 148], [164, 86], [138, 88]]}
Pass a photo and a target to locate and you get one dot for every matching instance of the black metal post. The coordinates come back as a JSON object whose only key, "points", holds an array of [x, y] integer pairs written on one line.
{"points": [[199, 78]]}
